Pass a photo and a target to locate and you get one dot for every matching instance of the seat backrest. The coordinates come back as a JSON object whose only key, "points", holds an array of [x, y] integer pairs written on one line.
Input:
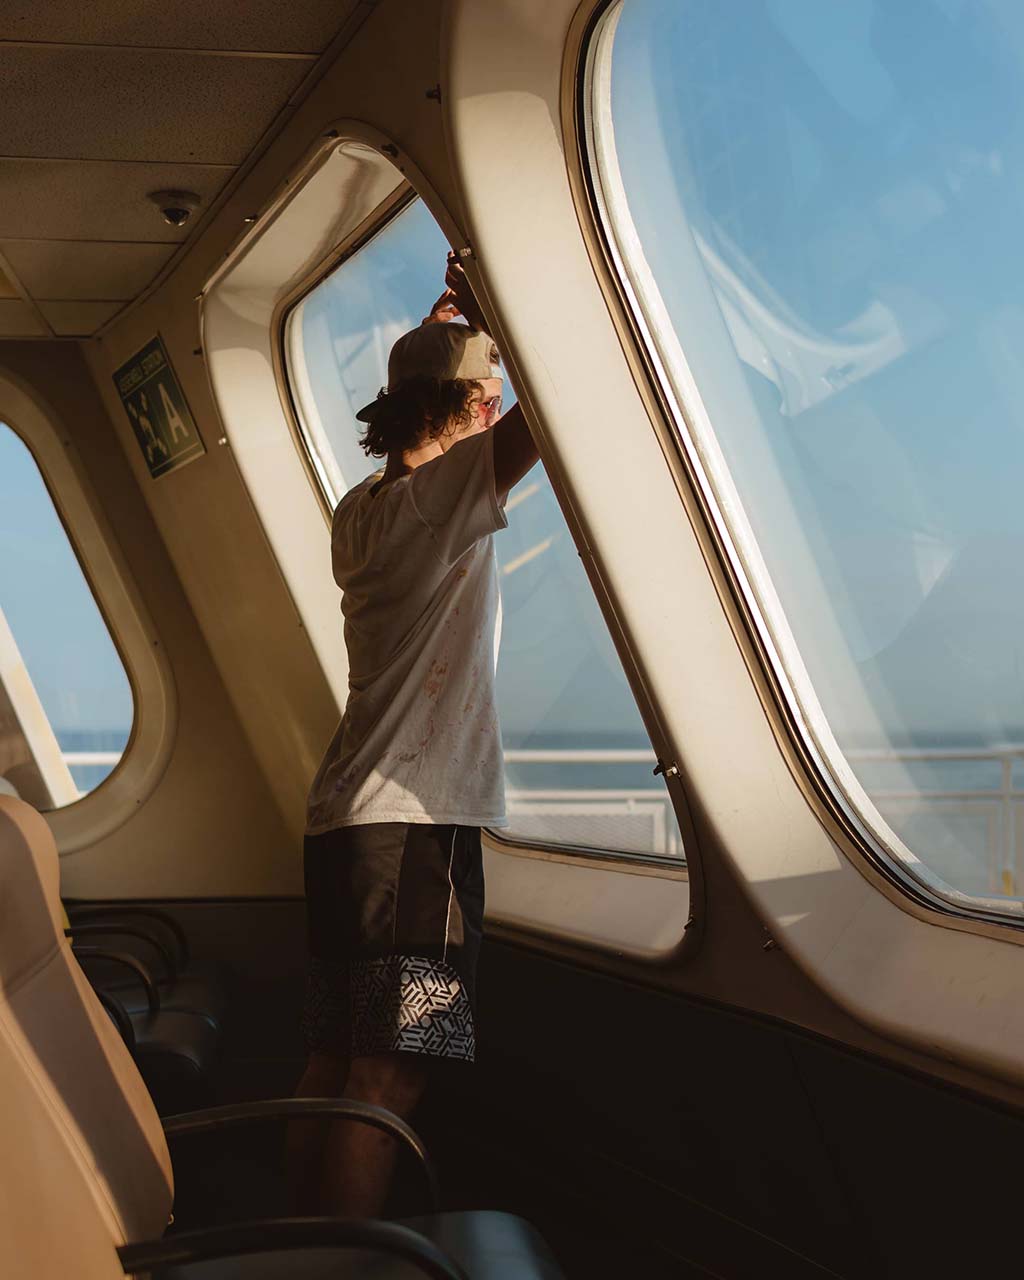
{"points": [[55, 1220], [68, 1040]]}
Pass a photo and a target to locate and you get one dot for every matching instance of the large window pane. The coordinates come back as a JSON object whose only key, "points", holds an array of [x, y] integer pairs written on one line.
{"points": [[65, 702], [819, 207], [578, 761]]}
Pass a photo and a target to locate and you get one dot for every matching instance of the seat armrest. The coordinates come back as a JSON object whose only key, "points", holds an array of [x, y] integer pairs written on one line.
{"points": [[85, 911], [290, 1233], [119, 1016], [216, 1118], [113, 929], [127, 962]]}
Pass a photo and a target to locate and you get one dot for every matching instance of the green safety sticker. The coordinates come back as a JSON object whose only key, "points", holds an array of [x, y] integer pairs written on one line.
{"points": [[156, 408]]}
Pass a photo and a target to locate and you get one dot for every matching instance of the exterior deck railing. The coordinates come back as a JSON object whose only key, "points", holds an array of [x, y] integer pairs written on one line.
{"points": [[999, 805]]}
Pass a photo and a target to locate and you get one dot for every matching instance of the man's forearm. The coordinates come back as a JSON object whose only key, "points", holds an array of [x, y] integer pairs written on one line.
{"points": [[462, 293], [514, 450]]}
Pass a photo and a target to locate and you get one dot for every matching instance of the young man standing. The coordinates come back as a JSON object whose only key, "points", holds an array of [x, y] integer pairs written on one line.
{"points": [[394, 881]]}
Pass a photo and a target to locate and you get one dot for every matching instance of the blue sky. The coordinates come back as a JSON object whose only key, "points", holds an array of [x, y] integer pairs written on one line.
{"points": [[50, 609], [829, 196]]}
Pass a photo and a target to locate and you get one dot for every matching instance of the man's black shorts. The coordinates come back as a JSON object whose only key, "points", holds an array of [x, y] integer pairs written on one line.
{"points": [[395, 913]]}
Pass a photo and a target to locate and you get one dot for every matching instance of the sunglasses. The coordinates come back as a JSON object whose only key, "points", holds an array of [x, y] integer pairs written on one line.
{"points": [[489, 407]]}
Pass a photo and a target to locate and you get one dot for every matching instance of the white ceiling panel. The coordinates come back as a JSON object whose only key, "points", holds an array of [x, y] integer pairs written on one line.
{"points": [[217, 24], [126, 104], [79, 200], [78, 319], [18, 320], [71, 270]]}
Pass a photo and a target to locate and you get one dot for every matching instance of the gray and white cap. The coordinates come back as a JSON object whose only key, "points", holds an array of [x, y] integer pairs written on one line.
{"points": [[444, 350]]}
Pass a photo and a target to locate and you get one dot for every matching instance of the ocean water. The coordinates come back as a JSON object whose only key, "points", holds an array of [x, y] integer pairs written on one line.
{"points": [[532, 776], [88, 777], [945, 776]]}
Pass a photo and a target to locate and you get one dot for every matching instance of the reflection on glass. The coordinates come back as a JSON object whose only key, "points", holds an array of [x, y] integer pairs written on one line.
{"points": [[578, 760], [829, 199], [65, 702]]}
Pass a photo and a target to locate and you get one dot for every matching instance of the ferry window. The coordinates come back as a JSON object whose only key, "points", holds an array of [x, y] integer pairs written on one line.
{"points": [[816, 213], [66, 707], [579, 766]]}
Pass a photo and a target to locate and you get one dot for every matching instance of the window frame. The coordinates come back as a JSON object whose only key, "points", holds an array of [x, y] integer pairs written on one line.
{"points": [[373, 225], [773, 659], [640, 914], [97, 813], [404, 195]]}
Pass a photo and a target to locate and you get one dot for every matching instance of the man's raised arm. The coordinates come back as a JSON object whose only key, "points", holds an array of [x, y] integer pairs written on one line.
{"points": [[514, 450]]}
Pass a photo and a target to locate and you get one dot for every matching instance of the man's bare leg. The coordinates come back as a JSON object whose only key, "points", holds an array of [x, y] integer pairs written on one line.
{"points": [[359, 1161], [325, 1077]]}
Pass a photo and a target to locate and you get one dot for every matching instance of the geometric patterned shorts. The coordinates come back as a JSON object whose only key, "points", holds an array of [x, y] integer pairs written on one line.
{"points": [[395, 920]]}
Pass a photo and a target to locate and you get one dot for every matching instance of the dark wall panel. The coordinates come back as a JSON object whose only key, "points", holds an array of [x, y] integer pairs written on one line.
{"points": [[671, 1103], [647, 1133], [931, 1174]]}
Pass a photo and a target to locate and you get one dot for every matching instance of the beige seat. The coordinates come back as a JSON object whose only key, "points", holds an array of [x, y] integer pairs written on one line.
{"points": [[68, 1040], [54, 1219], [57, 1221]]}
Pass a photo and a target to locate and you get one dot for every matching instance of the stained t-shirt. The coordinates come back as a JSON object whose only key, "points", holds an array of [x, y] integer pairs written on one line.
{"points": [[419, 740]]}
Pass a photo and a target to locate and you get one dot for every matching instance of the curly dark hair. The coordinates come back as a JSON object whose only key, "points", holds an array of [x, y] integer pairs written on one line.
{"points": [[419, 409]]}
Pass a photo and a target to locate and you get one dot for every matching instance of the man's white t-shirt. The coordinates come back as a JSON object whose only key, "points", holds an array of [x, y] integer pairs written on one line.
{"points": [[419, 740]]}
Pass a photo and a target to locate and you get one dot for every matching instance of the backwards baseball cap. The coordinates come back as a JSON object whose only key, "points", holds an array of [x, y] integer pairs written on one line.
{"points": [[444, 350]]}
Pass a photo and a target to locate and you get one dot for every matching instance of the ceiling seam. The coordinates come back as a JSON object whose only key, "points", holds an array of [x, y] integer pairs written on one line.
{"points": [[44, 337], [279, 55], [5, 239], [193, 164], [26, 297]]}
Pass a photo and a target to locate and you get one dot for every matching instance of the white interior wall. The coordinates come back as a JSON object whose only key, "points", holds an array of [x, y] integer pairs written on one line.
{"points": [[160, 825]]}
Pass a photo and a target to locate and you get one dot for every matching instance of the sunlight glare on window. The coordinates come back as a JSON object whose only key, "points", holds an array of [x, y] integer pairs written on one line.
{"points": [[818, 212]]}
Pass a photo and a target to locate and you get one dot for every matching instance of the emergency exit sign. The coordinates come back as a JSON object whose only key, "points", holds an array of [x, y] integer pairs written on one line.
{"points": [[156, 408]]}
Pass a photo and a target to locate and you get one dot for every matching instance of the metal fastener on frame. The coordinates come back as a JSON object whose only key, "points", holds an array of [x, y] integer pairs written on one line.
{"points": [[669, 770]]}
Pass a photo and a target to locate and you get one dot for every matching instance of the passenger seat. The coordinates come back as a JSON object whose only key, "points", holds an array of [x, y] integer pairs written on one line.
{"points": [[66, 1077], [184, 987], [57, 1221], [174, 1046]]}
